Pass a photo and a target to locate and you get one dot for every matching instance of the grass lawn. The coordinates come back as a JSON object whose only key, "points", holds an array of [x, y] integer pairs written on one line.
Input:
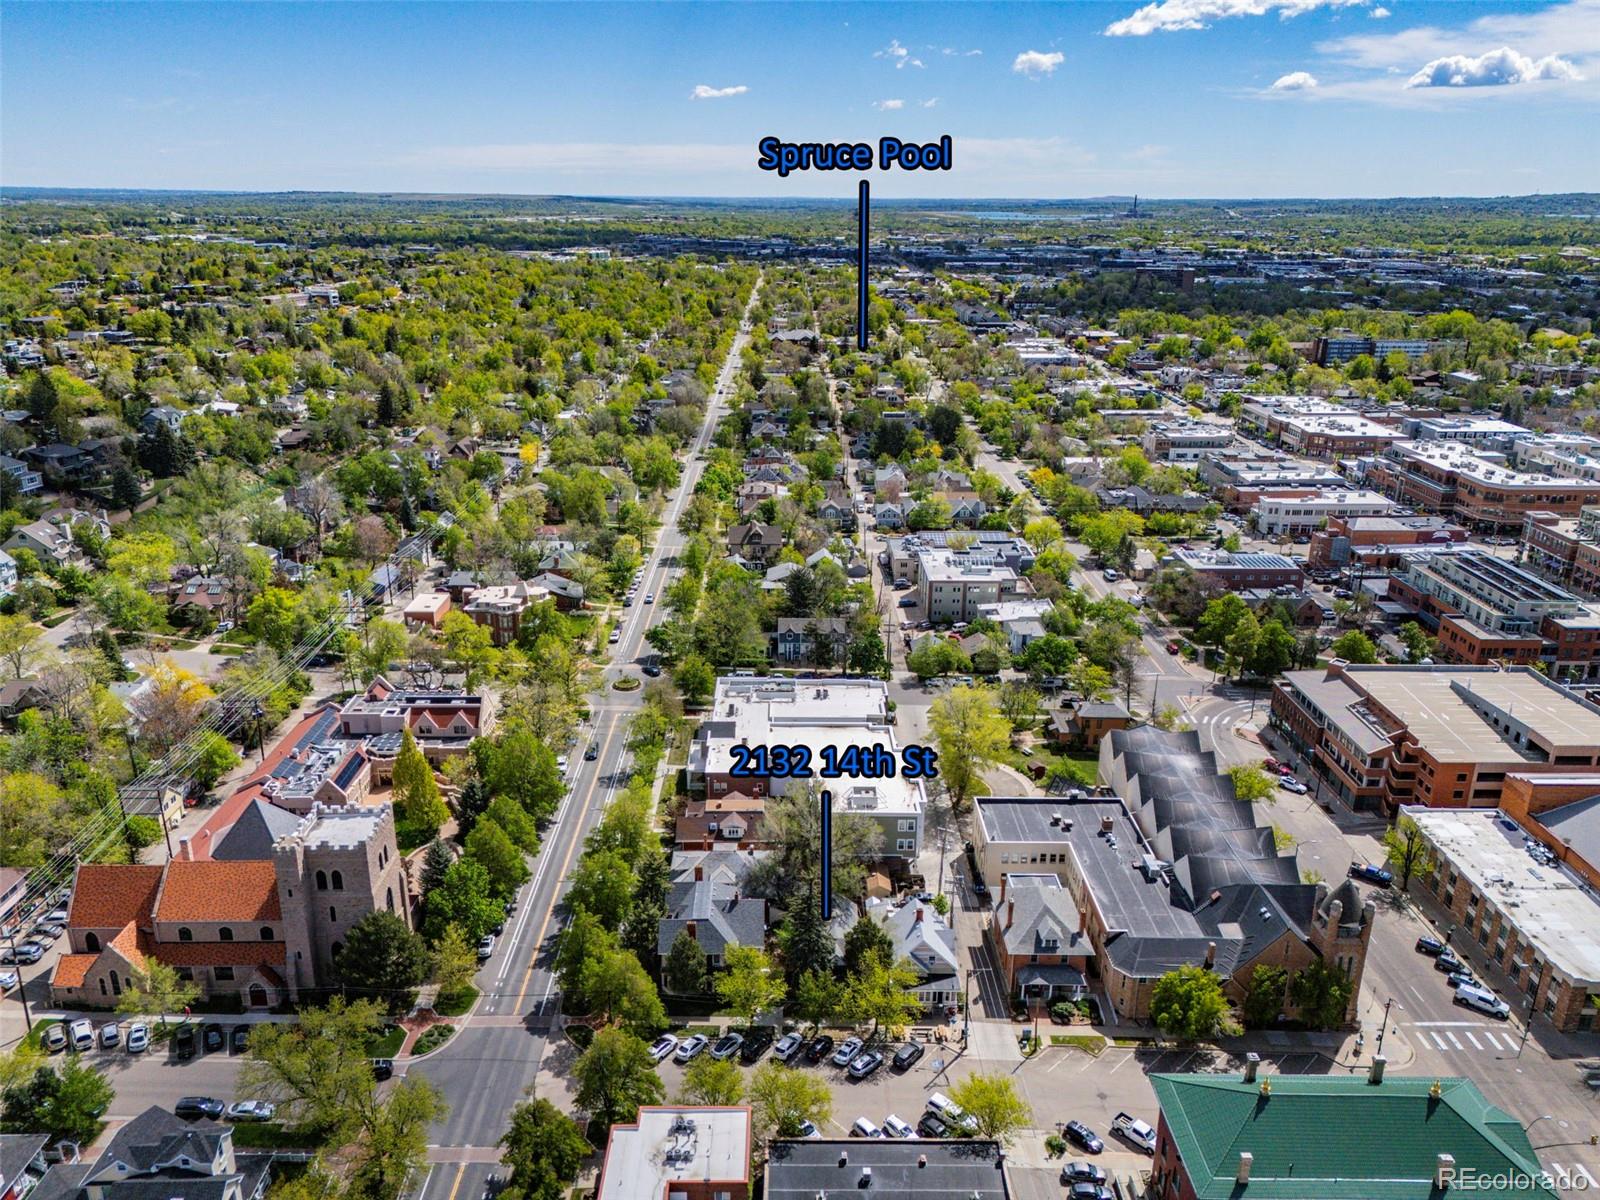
{"points": [[455, 1004], [1083, 765], [1089, 1043], [432, 1038], [59, 618], [229, 651], [270, 1135], [387, 1044]]}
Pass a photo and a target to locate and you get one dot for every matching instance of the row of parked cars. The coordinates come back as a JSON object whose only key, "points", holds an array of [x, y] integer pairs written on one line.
{"points": [[1469, 992], [943, 1118], [45, 930], [854, 1055]]}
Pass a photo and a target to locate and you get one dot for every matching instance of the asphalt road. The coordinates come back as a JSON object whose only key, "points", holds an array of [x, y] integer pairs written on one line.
{"points": [[491, 1062]]}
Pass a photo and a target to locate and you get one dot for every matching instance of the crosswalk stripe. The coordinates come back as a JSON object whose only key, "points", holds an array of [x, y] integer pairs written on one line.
{"points": [[1589, 1180], [1493, 1041], [1474, 1041], [1455, 1040], [1439, 1041]]}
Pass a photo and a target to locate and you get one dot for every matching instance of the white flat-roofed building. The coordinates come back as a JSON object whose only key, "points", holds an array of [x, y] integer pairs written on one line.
{"points": [[692, 1152], [1489, 432], [1537, 922], [815, 713], [954, 585], [1297, 512], [1185, 441]]}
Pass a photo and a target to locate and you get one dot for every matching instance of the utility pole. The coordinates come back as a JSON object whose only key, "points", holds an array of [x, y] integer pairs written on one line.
{"points": [[1384, 1027], [22, 984]]}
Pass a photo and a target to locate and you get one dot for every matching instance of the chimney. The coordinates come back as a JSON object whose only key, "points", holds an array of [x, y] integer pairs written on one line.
{"points": [[917, 920], [1011, 912], [1211, 955], [184, 853], [1252, 1063], [1107, 824], [1242, 1177], [1375, 1072], [692, 930], [1083, 921], [699, 874], [1444, 1172], [1003, 879]]}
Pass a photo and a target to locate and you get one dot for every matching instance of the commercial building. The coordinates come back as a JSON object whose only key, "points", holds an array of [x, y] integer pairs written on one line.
{"points": [[897, 1168], [1489, 433], [1229, 572], [954, 585], [1185, 441], [1561, 813], [682, 1152], [1285, 1137], [1239, 482], [1373, 544], [1303, 512], [831, 714], [1166, 868], [1380, 737], [1537, 923], [1486, 609], [1315, 427], [1335, 349], [902, 555], [1475, 488], [1566, 455], [1566, 549]]}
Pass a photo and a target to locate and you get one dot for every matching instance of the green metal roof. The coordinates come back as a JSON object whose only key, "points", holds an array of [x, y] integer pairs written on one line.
{"points": [[1323, 1137]]}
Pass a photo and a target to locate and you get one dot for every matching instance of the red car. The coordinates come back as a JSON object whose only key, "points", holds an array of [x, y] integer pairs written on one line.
{"points": [[1272, 764], [1173, 648]]}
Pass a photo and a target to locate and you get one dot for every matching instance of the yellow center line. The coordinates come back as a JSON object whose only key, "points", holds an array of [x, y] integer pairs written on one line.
{"points": [[544, 925], [456, 1186]]}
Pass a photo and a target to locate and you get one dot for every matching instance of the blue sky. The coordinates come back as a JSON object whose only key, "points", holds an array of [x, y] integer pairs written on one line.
{"points": [[1172, 98]]}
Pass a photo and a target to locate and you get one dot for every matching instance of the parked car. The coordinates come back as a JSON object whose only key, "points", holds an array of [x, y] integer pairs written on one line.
{"points": [[662, 1046], [902, 582], [193, 1108], [1083, 1172], [8, 980], [1290, 784], [690, 1047], [847, 1050], [183, 1041], [81, 1034], [1482, 1000], [727, 1045], [1273, 765], [908, 601], [951, 1113], [138, 1038], [808, 1129], [27, 953], [485, 947], [820, 1047], [239, 1039], [1447, 963], [1367, 873], [55, 1039], [863, 1128], [788, 1046], [651, 669], [1134, 1131], [895, 1127], [1089, 1191], [382, 1068], [251, 1110], [1110, 575], [932, 1127], [48, 931], [908, 1055], [1432, 947], [615, 635], [110, 1035], [864, 1065], [755, 1043], [1174, 648], [1083, 1137], [1463, 977], [211, 1038]]}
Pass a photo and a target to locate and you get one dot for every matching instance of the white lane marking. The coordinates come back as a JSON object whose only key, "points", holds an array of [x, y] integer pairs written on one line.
{"points": [[1494, 1041], [1476, 1045], [1120, 1065], [1589, 1181], [1439, 1041], [1454, 1040]]}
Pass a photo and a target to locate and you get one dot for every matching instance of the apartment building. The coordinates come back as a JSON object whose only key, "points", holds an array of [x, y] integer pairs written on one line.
{"points": [[955, 585], [442, 721], [1185, 441], [1164, 868], [1230, 572], [1566, 549], [1486, 609], [1565, 455], [1238, 483], [816, 714], [1488, 433], [1373, 544], [1537, 923], [1478, 490], [902, 554], [1336, 349], [1297, 512], [1315, 427], [1380, 737]]}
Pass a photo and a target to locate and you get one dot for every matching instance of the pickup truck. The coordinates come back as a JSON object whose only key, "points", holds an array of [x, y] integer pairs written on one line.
{"points": [[1133, 1130]]}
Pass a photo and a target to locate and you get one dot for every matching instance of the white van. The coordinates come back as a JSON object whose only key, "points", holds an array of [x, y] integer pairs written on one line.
{"points": [[1484, 1001], [865, 1129], [948, 1111], [81, 1035]]}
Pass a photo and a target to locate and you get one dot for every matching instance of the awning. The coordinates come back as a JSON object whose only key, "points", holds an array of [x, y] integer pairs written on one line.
{"points": [[1057, 976]]}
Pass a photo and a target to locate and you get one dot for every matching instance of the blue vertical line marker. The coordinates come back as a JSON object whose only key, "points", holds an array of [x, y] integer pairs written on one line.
{"points": [[827, 849], [863, 223]]}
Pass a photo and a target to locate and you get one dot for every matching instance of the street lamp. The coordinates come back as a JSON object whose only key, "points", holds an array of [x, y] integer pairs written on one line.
{"points": [[1384, 1027], [261, 733]]}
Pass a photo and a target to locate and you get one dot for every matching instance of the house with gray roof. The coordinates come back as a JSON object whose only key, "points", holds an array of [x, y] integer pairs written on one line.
{"points": [[922, 938], [157, 1156], [1039, 939], [706, 900]]}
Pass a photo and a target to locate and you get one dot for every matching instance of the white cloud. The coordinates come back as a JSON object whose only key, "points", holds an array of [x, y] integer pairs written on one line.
{"points": [[1380, 13], [889, 105], [704, 91], [1167, 15], [897, 54], [931, 102], [1035, 62], [1496, 68], [1295, 81], [950, 51], [1571, 30]]}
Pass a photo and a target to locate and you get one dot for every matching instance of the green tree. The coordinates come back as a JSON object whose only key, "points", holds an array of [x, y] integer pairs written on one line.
{"points": [[455, 962], [782, 1100], [603, 884], [749, 983], [806, 941], [1354, 647], [684, 971], [317, 1070], [712, 1081], [492, 848], [818, 998], [1263, 999], [1274, 651], [464, 899], [381, 959], [971, 735], [1406, 851], [695, 679], [393, 1142], [936, 656], [1321, 992], [993, 1102], [1220, 618], [617, 988], [884, 993], [514, 819], [65, 1102], [1188, 1003], [866, 937], [214, 758], [155, 990], [1240, 648], [1417, 642], [544, 1149], [419, 809], [1251, 783], [435, 862], [615, 1076]]}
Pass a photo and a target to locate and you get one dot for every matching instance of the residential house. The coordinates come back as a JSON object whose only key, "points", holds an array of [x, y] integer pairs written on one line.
{"points": [[733, 821], [501, 607], [797, 640], [889, 515], [8, 574], [28, 480], [442, 722], [705, 900], [924, 939], [1082, 727], [1038, 936], [163, 414], [22, 1163], [567, 593], [755, 542], [59, 462], [835, 508], [426, 610]]}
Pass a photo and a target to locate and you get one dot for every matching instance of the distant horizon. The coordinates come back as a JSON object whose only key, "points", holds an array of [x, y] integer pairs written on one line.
{"points": [[22, 191]]}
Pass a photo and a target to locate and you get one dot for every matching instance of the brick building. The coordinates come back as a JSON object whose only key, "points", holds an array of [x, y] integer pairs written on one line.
{"points": [[1371, 545]]}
